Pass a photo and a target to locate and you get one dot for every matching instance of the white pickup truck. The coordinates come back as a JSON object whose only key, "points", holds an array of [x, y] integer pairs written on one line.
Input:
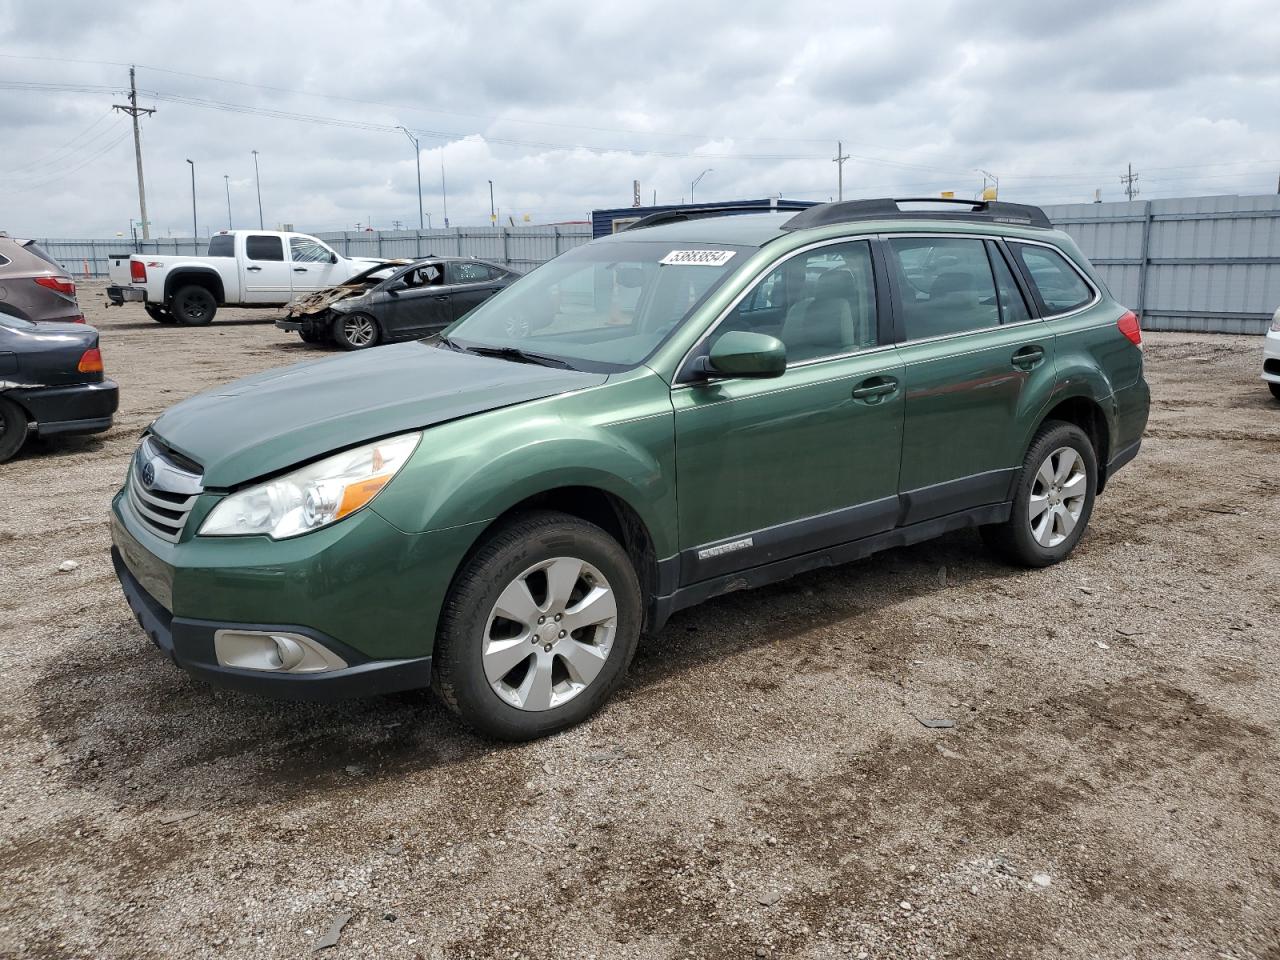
{"points": [[243, 268]]}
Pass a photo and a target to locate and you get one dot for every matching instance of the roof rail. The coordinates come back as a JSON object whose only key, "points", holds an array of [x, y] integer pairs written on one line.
{"points": [[694, 213], [887, 208]]}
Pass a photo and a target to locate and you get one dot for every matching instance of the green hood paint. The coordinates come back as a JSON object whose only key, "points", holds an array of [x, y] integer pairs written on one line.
{"points": [[262, 424]]}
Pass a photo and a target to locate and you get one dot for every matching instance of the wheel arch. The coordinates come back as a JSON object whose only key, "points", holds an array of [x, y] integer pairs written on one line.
{"points": [[211, 280], [1086, 413]]}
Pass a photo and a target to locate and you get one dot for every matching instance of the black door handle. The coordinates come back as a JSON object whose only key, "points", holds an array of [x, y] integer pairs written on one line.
{"points": [[873, 388], [299, 269], [1025, 358], [253, 269]]}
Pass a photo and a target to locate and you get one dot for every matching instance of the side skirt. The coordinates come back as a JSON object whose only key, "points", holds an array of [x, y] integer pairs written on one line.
{"points": [[664, 606]]}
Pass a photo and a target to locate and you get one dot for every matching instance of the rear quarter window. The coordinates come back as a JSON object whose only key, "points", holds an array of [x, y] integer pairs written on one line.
{"points": [[1057, 284], [34, 248], [223, 245]]}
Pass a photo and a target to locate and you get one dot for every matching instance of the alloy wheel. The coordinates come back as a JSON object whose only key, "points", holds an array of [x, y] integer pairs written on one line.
{"points": [[549, 634], [359, 331], [1057, 496]]}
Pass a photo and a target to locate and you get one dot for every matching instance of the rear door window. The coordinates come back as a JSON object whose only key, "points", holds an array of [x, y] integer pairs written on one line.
{"points": [[463, 272], [260, 247], [945, 284], [1056, 283]]}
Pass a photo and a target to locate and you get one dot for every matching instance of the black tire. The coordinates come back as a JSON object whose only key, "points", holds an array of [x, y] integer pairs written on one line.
{"points": [[1015, 539], [356, 331], [1275, 389], [13, 429], [159, 314], [193, 306], [458, 672], [311, 336]]}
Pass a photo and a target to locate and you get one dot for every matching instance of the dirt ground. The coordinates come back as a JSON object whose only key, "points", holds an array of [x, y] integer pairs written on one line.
{"points": [[761, 787]]}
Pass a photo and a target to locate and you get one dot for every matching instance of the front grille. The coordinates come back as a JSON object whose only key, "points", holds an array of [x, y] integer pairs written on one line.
{"points": [[163, 505]]}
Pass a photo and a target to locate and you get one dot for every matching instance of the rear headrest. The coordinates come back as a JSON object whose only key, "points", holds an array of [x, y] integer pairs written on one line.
{"points": [[952, 282], [835, 284]]}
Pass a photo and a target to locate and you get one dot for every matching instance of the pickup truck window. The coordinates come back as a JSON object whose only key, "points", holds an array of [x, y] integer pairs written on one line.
{"points": [[223, 245], [259, 247], [304, 250]]}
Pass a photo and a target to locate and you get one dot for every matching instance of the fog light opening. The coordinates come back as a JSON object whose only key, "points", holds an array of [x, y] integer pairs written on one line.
{"points": [[273, 652]]}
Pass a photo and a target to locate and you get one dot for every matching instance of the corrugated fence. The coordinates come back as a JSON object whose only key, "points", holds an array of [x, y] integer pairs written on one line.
{"points": [[1208, 264]]}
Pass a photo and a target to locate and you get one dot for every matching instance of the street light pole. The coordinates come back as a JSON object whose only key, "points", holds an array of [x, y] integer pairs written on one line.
{"points": [[257, 180], [226, 179], [493, 216], [195, 233], [417, 159], [444, 194], [697, 180]]}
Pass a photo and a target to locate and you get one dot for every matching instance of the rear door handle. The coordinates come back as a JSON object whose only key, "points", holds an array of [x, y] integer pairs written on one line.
{"points": [[1028, 357], [253, 269], [299, 269], [874, 388], [442, 298]]}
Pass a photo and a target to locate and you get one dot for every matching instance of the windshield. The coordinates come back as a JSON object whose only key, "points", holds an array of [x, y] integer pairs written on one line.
{"points": [[602, 306]]}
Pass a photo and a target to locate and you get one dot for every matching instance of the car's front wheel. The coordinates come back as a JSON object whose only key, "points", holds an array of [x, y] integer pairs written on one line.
{"points": [[356, 331], [1275, 389], [1053, 498], [538, 628], [13, 429]]}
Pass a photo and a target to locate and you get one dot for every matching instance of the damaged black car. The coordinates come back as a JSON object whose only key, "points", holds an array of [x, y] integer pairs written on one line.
{"points": [[398, 300]]}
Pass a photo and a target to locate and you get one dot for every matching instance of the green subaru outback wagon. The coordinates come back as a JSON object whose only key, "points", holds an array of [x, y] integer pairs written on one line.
{"points": [[696, 405]]}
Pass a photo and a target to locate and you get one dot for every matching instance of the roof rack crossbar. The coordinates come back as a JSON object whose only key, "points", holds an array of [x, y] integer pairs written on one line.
{"points": [[888, 208]]}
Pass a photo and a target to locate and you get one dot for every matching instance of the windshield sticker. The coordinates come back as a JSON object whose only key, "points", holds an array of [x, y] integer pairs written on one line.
{"points": [[697, 258]]}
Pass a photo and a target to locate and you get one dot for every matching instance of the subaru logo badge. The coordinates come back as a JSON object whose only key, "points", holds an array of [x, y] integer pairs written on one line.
{"points": [[149, 474]]}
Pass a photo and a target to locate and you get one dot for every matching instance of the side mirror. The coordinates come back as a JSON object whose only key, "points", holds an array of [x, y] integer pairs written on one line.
{"points": [[740, 353], [395, 286], [333, 258]]}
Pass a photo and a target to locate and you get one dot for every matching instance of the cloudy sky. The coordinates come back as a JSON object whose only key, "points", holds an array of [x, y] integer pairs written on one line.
{"points": [[562, 105]]}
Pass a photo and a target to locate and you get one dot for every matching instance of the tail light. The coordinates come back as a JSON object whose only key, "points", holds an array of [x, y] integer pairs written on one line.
{"points": [[58, 285], [78, 318], [90, 361], [137, 271], [1130, 327]]}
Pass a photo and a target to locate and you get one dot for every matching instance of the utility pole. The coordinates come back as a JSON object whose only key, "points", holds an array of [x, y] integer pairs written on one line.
{"points": [[444, 194], [417, 159], [1129, 180], [258, 181], [493, 216], [133, 110], [839, 160], [226, 178], [195, 233]]}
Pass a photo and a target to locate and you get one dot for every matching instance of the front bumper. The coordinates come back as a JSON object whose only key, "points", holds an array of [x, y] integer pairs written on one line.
{"points": [[1271, 358], [189, 643], [75, 408], [118, 295], [317, 324]]}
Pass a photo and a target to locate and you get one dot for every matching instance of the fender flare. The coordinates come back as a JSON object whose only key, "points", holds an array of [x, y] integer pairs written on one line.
{"points": [[179, 277]]}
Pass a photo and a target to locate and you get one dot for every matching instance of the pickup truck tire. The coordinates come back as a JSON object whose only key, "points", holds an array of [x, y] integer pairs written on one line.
{"points": [[13, 429], [530, 577], [356, 331], [193, 306], [160, 314], [1052, 500], [1275, 390]]}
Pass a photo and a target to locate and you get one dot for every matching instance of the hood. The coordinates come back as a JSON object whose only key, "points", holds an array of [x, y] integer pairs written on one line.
{"points": [[270, 421]]}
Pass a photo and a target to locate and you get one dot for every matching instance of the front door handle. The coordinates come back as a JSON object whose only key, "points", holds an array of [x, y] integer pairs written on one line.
{"points": [[253, 269], [442, 298], [299, 269], [1028, 357], [873, 389]]}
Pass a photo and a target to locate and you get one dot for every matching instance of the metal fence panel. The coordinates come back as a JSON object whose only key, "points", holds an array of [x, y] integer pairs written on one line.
{"points": [[1191, 263]]}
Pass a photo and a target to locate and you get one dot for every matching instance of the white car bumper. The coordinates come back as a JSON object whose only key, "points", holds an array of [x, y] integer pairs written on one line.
{"points": [[1271, 352]]}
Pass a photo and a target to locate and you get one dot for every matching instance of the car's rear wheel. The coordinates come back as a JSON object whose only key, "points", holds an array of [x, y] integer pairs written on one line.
{"points": [[538, 628], [194, 306], [1053, 498], [356, 331], [1275, 389], [159, 314], [13, 429]]}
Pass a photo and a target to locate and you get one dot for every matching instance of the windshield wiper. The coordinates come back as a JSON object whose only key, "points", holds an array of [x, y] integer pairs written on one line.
{"points": [[520, 356]]}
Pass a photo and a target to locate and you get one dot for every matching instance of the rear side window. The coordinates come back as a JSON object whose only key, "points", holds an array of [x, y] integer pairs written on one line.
{"points": [[223, 245], [1058, 284], [470, 273], [946, 285], [258, 247]]}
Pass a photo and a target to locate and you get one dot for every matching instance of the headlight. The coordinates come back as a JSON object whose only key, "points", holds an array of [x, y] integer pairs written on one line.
{"points": [[314, 496], [1275, 322]]}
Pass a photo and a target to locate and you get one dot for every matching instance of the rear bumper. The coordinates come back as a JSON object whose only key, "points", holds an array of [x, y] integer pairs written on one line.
{"points": [[118, 295], [189, 644], [76, 408]]}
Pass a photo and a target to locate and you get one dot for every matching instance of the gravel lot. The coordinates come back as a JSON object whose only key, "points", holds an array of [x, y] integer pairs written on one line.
{"points": [[761, 787]]}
